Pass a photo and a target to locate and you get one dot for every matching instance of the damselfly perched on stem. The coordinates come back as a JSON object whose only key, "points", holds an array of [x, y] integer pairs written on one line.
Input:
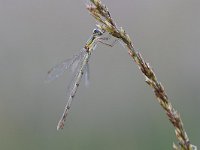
{"points": [[79, 65]]}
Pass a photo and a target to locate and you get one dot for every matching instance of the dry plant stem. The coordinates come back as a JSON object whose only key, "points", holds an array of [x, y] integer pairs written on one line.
{"points": [[102, 15]]}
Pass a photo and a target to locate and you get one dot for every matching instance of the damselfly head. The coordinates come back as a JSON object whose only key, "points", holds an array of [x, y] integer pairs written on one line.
{"points": [[97, 32]]}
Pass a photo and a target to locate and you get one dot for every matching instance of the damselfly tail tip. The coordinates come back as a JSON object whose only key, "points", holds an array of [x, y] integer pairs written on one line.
{"points": [[60, 125]]}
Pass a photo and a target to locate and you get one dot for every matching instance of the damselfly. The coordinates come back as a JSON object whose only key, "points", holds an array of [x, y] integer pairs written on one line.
{"points": [[79, 65]]}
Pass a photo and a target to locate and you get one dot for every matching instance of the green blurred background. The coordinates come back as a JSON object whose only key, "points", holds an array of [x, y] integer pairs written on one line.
{"points": [[118, 110]]}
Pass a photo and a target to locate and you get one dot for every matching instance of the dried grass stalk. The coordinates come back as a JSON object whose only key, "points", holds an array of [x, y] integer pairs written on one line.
{"points": [[106, 23]]}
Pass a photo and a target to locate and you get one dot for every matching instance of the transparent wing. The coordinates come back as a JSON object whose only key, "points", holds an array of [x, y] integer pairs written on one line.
{"points": [[87, 75], [76, 70], [59, 69]]}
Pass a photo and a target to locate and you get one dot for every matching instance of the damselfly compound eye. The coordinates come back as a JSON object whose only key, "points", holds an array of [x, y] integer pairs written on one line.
{"points": [[97, 32]]}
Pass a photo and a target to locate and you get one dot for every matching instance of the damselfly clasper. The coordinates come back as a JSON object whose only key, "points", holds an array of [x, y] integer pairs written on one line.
{"points": [[79, 65]]}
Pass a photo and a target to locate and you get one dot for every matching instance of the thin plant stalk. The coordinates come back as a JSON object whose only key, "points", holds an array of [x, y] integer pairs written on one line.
{"points": [[106, 23]]}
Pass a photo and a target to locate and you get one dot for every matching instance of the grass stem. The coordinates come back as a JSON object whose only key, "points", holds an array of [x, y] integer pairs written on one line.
{"points": [[106, 23]]}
